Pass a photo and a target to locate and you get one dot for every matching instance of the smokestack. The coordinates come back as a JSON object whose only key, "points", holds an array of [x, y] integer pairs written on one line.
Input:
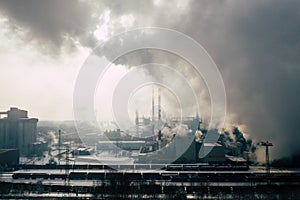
{"points": [[136, 118], [59, 145], [153, 111], [152, 105], [159, 105]]}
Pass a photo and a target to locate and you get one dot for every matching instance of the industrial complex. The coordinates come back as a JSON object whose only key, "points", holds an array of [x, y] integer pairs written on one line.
{"points": [[172, 162]]}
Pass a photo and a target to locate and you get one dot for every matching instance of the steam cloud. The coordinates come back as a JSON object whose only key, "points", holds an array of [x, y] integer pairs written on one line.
{"points": [[255, 44]]}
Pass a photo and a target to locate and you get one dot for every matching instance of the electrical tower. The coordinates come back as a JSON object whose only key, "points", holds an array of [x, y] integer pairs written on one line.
{"points": [[267, 145]]}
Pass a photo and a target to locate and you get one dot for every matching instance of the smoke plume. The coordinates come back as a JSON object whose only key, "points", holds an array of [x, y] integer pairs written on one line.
{"points": [[255, 44]]}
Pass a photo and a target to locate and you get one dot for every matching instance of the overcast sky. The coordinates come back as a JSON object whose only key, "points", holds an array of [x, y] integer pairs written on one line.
{"points": [[255, 44]]}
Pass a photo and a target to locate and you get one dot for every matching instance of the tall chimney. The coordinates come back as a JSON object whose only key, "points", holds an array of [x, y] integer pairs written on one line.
{"points": [[152, 111], [159, 105], [152, 104], [136, 118], [59, 145]]}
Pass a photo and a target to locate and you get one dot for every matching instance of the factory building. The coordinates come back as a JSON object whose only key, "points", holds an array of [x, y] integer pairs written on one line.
{"points": [[212, 152], [9, 157], [17, 131], [126, 145]]}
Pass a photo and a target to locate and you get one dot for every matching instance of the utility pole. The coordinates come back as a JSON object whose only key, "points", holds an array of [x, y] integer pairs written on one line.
{"points": [[267, 145]]}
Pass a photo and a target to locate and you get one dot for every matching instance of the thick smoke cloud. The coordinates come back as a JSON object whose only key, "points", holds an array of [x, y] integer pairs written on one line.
{"points": [[265, 84], [52, 25], [255, 44]]}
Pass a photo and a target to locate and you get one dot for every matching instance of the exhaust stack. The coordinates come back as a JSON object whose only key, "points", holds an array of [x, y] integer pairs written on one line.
{"points": [[159, 105]]}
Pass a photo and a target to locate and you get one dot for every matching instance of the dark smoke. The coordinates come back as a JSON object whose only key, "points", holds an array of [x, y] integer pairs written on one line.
{"points": [[256, 46]]}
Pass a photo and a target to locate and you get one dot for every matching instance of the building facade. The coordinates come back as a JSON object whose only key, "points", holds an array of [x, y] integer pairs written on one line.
{"points": [[17, 131]]}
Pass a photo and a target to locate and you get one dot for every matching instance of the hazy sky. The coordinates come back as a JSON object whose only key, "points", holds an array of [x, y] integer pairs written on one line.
{"points": [[255, 44]]}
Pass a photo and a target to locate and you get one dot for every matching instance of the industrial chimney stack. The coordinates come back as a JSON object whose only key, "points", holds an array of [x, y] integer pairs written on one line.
{"points": [[159, 105]]}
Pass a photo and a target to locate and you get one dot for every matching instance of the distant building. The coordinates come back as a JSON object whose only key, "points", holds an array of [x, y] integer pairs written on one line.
{"points": [[17, 131]]}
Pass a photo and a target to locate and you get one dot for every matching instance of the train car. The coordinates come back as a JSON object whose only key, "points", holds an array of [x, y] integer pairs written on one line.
{"points": [[30, 176], [78, 175], [151, 176], [96, 176], [58, 176]]}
